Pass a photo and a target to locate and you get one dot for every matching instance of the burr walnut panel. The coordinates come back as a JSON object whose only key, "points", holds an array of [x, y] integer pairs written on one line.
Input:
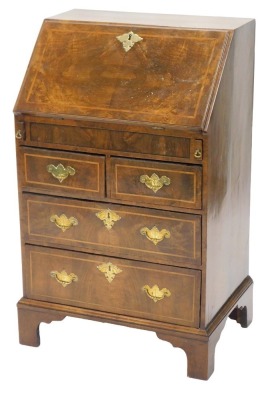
{"points": [[180, 185], [168, 77], [57, 172], [176, 239], [85, 285]]}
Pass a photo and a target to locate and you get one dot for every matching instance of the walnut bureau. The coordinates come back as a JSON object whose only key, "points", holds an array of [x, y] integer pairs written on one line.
{"points": [[133, 136]]}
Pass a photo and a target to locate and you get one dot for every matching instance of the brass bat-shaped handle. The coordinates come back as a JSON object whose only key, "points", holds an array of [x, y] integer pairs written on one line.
{"points": [[154, 234], [155, 293], [60, 172], [63, 277], [63, 222], [154, 182]]}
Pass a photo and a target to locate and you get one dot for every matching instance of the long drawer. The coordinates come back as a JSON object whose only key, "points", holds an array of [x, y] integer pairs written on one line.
{"points": [[181, 147], [62, 173], [130, 232], [114, 285], [152, 182]]}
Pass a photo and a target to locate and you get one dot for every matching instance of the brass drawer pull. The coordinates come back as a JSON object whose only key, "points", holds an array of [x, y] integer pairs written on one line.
{"points": [[155, 293], [60, 172], [63, 277], [154, 182], [128, 40], [109, 270], [154, 235], [108, 217], [198, 154], [63, 222], [19, 134]]}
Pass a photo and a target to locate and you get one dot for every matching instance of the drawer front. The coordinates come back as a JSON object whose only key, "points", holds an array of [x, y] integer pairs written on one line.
{"points": [[156, 183], [164, 237], [103, 139], [63, 172], [101, 283]]}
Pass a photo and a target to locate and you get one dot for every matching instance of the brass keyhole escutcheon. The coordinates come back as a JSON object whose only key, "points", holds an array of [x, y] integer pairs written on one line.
{"points": [[109, 270], [109, 217], [128, 40]]}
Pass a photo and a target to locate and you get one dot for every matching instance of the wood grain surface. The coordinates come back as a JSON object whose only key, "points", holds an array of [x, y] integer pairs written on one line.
{"points": [[169, 77], [176, 107], [124, 295], [183, 247]]}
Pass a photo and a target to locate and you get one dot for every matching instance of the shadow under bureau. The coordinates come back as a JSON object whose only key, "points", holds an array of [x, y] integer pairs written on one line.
{"points": [[133, 137]]}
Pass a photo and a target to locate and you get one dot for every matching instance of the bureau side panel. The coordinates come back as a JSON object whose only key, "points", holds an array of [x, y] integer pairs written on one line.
{"points": [[229, 161]]}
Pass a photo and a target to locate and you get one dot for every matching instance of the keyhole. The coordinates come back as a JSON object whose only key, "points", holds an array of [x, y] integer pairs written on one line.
{"points": [[130, 35]]}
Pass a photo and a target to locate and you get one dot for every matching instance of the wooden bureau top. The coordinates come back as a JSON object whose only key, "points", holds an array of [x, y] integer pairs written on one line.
{"points": [[169, 20], [169, 77]]}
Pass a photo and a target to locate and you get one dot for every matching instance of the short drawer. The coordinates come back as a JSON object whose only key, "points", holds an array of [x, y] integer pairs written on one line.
{"points": [[114, 285], [156, 183], [131, 232], [65, 173]]}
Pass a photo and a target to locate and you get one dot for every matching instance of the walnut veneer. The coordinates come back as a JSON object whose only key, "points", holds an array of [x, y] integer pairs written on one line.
{"points": [[133, 137]]}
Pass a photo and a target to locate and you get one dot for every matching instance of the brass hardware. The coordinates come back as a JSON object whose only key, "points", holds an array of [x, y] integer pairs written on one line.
{"points": [[60, 172], [110, 270], [63, 277], [198, 154], [154, 182], [19, 134], [63, 222], [20, 130], [108, 217], [155, 293], [128, 40], [154, 235]]}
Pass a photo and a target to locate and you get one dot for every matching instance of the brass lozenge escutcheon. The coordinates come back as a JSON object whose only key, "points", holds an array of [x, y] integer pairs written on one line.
{"points": [[109, 217], [109, 270], [128, 40]]}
